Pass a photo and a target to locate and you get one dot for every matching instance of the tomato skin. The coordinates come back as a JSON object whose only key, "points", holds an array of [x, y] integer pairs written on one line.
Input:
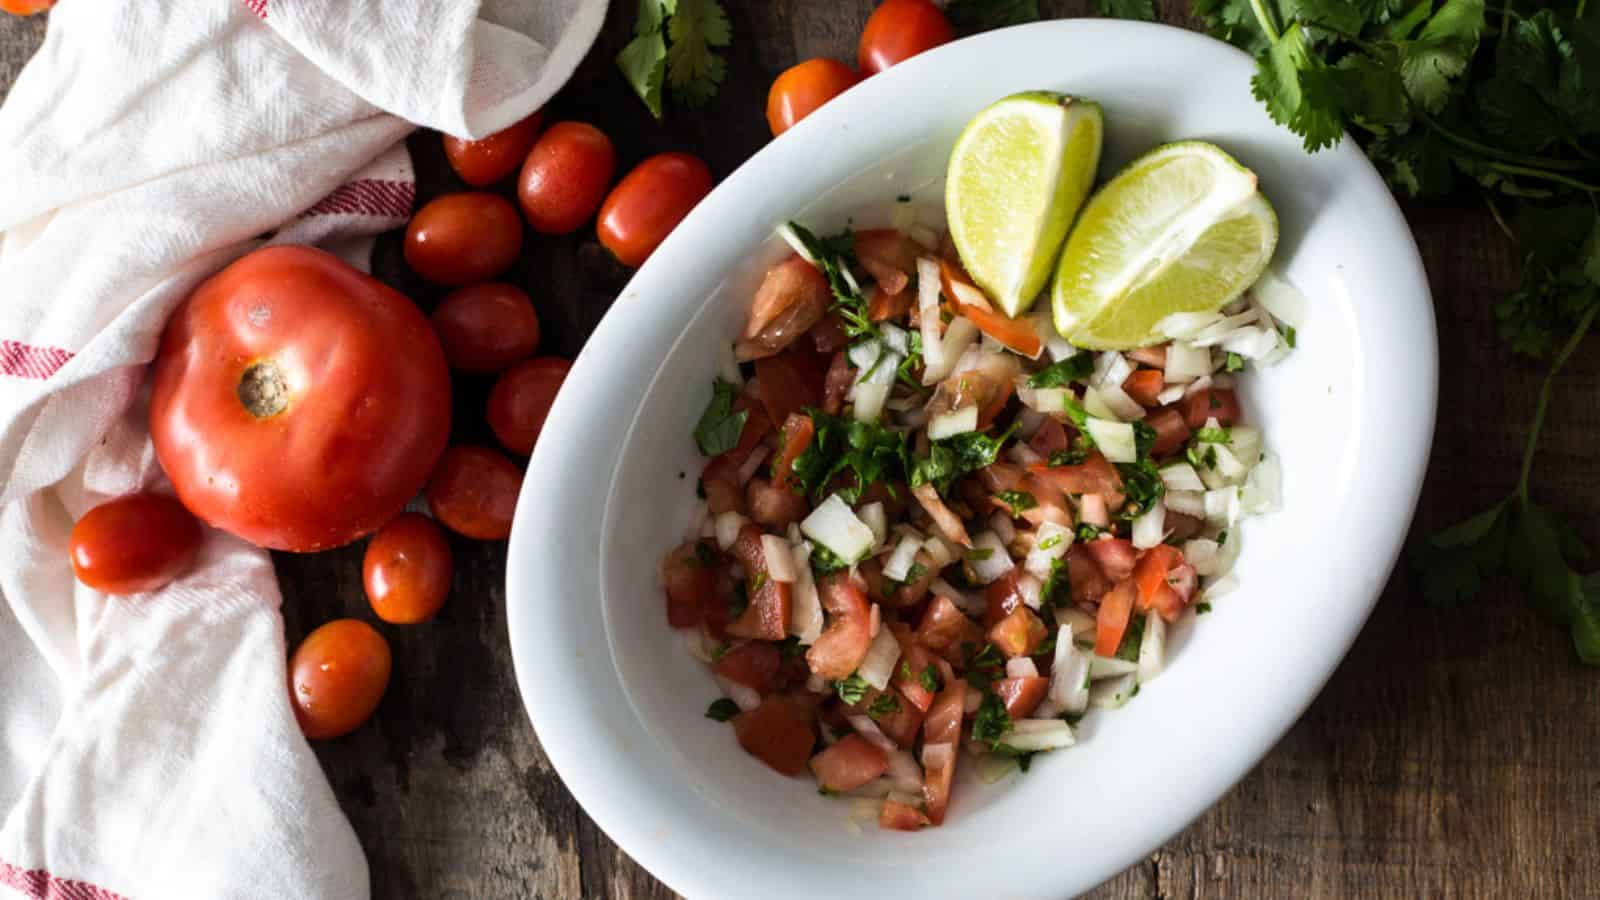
{"points": [[337, 676], [1150, 573], [465, 237], [798, 430], [792, 298], [753, 664], [844, 644], [1021, 695], [486, 160], [943, 726], [790, 381], [1002, 597], [133, 544], [521, 399], [1115, 557], [648, 203], [1216, 403], [689, 585], [407, 570], [1095, 475], [565, 176], [1089, 584], [485, 328], [803, 88], [767, 616], [1143, 386], [944, 628], [899, 30], [897, 816], [360, 414], [1018, 634], [1171, 430], [778, 732], [473, 492], [849, 764], [1116, 608], [25, 7]]}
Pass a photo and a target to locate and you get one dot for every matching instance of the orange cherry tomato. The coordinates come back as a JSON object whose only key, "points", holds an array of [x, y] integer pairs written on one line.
{"points": [[899, 30], [521, 399], [565, 176], [484, 328], [474, 492], [649, 202], [466, 237], [337, 676], [802, 88], [486, 160], [134, 544], [407, 570], [25, 7]]}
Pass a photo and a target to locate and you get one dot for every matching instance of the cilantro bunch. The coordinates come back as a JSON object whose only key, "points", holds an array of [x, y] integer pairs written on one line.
{"points": [[673, 48]]}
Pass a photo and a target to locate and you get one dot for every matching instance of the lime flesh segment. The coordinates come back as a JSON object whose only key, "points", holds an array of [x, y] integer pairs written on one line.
{"points": [[1181, 229], [1017, 176]]}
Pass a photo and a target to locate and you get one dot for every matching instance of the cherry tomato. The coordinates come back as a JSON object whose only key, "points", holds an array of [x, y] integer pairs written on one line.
{"points": [[407, 570], [802, 88], [25, 7], [899, 30], [484, 328], [296, 402], [459, 238], [486, 160], [337, 676], [473, 492], [565, 176], [521, 400], [649, 202], [134, 544]]}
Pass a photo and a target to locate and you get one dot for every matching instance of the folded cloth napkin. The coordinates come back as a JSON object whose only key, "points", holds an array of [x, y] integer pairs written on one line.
{"points": [[147, 747]]}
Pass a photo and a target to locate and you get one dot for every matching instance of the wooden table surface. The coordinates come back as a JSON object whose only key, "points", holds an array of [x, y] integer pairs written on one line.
{"points": [[1453, 753]]}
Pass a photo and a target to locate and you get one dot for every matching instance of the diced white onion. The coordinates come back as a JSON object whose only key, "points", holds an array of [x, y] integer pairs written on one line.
{"points": [[1262, 491], [1149, 529], [928, 315], [867, 401], [937, 756], [877, 667], [1222, 506], [1245, 441], [957, 338], [1069, 674], [950, 424], [1228, 465], [967, 603], [947, 521], [969, 295], [1112, 368], [1182, 325], [834, 526], [728, 367], [728, 525], [1180, 476], [789, 236], [1115, 400], [1190, 503], [875, 518], [1021, 667], [1115, 440], [1092, 511], [1227, 584], [779, 557], [1113, 692], [1095, 405], [1035, 735], [752, 464], [874, 735], [1197, 385], [1023, 455], [1203, 554], [1079, 621], [864, 354], [1045, 400], [850, 279], [746, 697], [1031, 589], [895, 338], [926, 237], [1054, 344], [1000, 523], [697, 643], [1186, 363], [1109, 667], [1218, 331], [1170, 395], [904, 774], [1252, 342], [898, 566], [991, 767], [805, 606], [997, 562], [941, 551], [1281, 299], [1039, 558], [1152, 647]]}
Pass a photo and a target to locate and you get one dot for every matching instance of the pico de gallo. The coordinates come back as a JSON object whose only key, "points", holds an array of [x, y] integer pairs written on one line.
{"points": [[933, 536]]}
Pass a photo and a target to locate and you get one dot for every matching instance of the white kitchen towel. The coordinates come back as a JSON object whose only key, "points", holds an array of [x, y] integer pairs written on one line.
{"points": [[147, 748]]}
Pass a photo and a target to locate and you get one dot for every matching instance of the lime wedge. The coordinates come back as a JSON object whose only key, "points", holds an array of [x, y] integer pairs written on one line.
{"points": [[1017, 176], [1180, 229]]}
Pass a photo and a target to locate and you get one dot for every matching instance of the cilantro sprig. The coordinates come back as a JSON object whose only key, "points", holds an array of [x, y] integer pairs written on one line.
{"points": [[674, 48]]}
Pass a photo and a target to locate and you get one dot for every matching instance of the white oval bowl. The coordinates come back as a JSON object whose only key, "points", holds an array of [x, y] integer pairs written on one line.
{"points": [[619, 706]]}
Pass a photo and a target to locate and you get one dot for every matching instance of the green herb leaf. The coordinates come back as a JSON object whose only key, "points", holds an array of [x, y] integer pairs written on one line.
{"points": [[644, 64], [1132, 640], [929, 679], [990, 723], [1213, 435], [722, 710], [981, 15], [853, 689], [833, 256], [1017, 500], [1056, 585], [719, 427], [1143, 485], [884, 705], [693, 70], [1140, 10], [955, 457], [1234, 363], [1077, 367], [869, 452]]}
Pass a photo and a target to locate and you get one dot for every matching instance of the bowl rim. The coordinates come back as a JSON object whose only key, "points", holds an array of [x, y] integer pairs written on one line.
{"points": [[594, 758]]}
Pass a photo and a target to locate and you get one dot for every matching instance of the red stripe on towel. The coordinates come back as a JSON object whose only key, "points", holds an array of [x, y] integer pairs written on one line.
{"points": [[367, 197], [41, 885], [28, 361]]}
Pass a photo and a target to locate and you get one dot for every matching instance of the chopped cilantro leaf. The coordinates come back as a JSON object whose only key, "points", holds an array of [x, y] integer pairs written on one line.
{"points": [[832, 256], [719, 427], [722, 709], [825, 561], [1072, 456], [1087, 532], [790, 648], [1132, 639], [955, 457], [1077, 367], [916, 571], [1017, 500], [867, 452], [884, 705], [739, 602], [1050, 542], [1143, 485], [1050, 594], [990, 723], [1144, 437], [1213, 435], [980, 553], [853, 689], [930, 680], [1288, 336], [1234, 363], [1201, 609], [718, 652]]}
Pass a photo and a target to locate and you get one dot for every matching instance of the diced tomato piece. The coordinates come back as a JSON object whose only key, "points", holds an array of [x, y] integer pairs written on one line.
{"points": [[790, 381], [914, 660], [778, 732], [883, 306], [841, 647], [1173, 597], [1114, 556], [1143, 386], [1018, 634], [888, 256], [1215, 403], [767, 617], [773, 506], [1154, 357], [792, 298], [943, 726], [828, 335], [1150, 573], [756, 427], [753, 664], [689, 585], [944, 628], [849, 764], [1116, 608], [836, 384], [722, 496], [1050, 437], [1000, 476], [1089, 584], [1018, 334], [719, 608], [1021, 695], [897, 816], [1171, 430], [1092, 476], [1003, 597], [798, 429], [901, 725]]}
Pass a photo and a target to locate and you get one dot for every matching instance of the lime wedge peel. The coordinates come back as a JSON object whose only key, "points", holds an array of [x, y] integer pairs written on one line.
{"points": [[1181, 229], [1018, 174]]}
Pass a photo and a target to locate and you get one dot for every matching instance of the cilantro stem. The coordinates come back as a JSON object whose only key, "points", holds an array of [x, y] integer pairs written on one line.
{"points": [[1264, 16], [1544, 397], [1494, 210], [1521, 159]]}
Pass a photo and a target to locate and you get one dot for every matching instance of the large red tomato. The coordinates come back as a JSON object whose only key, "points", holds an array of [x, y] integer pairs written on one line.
{"points": [[297, 402]]}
